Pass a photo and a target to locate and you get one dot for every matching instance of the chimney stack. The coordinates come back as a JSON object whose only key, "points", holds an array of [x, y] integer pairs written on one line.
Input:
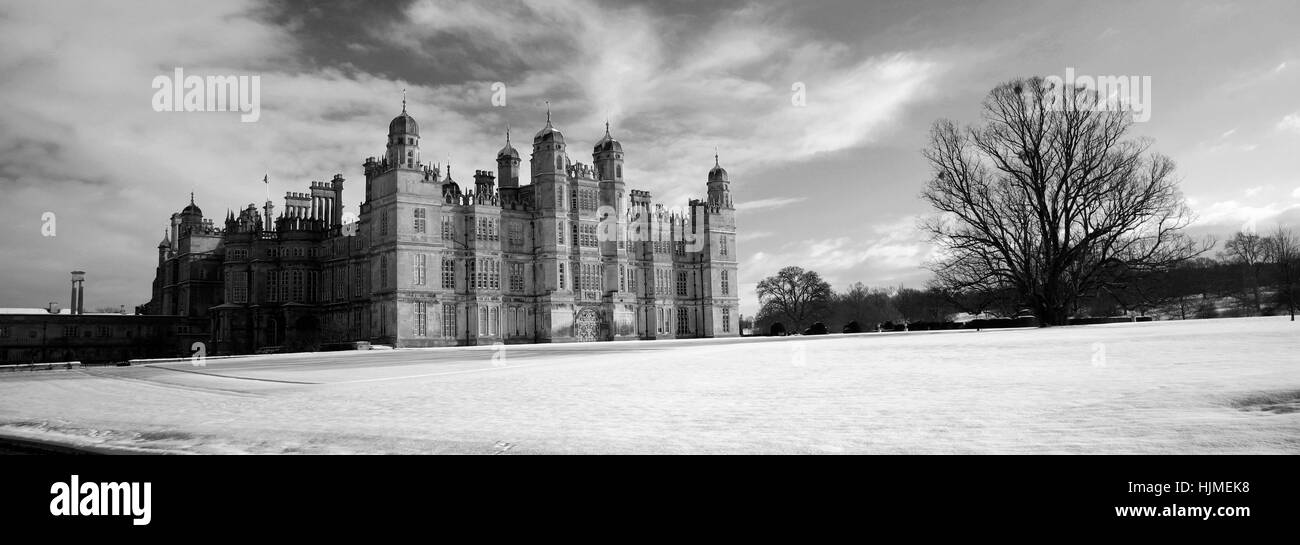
{"points": [[78, 292]]}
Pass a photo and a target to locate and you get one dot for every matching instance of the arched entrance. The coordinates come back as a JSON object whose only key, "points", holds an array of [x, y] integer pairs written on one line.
{"points": [[587, 326]]}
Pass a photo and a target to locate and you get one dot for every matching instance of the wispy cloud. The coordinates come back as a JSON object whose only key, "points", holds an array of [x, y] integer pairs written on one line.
{"points": [[763, 204], [1290, 123]]}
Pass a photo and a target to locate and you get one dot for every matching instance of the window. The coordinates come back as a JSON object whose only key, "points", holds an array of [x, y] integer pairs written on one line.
{"points": [[358, 280], [561, 276], [496, 321], [725, 284], [4, 331], [104, 331], [448, 272], [573, 230], [272, 286], [559, 233], [559, 196], [516, 233], [517, 277], [681, 283], [683, 326], [722, 245], [420, 267], [619, 171], [446, 228], [471, 278], [421, 320], [420, 220], [449, 320], [496, 274], [383, 222], [340, 282], [661, 324], [622, 278], [586, 236], [726, 320], [295, 285], [383, 271], [239, 291], [482, 321], [559, 162], [69, 331]]}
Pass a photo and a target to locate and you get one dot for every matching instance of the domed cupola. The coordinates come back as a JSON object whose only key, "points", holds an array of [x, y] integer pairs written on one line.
{"points": [[608, 143], [508, 151], [404, 140], [403, 124], [717, 173], [607, 157], [508, 164], [719, 185], [192, 209], [549, 134]]}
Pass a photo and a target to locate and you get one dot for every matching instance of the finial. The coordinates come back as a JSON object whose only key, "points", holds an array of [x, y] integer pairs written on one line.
{"points": [[548, 113], [507, 135], [191, 197], [715, 157], [607, 127], [403, 100]]}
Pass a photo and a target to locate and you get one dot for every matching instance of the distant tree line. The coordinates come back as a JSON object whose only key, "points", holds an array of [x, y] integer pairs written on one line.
{"points": [[1252, 275]]}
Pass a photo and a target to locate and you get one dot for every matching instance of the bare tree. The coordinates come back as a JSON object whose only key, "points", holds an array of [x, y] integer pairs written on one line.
{"points": [[1247, 250], [1282, 248], [864, 305], [797, 296], [1049, 199]]}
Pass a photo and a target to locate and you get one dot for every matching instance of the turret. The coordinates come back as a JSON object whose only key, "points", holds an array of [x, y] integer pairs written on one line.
{"points": [[719, 186], [403, 140], [607, 157], [549, 159], [508, 165], [163, 248]]}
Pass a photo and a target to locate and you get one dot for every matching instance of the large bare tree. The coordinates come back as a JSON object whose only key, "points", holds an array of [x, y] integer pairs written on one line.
{"points": [[795, 295], [1048, 197]]}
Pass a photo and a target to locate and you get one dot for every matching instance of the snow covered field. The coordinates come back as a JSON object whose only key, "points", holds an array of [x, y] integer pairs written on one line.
{"points": [[1201, 386]]}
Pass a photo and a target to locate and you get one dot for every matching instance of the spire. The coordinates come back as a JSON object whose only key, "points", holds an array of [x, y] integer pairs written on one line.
{"points": [[507, 135], [548, 113], [403, 100], [715, 158], [607, 127], [191, 197]]}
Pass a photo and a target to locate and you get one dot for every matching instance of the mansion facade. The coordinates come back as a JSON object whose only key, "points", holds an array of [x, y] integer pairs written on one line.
{"points": [[570, 255]]}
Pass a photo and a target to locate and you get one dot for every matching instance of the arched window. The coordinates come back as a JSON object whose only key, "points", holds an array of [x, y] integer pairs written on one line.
{"points": [[559, 162], [619, 170]]}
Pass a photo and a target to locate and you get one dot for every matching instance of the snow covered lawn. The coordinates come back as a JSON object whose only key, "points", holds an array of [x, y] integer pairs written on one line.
{"points": [[1199, 386]]}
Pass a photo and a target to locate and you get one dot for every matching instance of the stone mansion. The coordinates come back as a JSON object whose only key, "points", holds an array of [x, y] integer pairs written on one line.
{"points": [[570, 255]]}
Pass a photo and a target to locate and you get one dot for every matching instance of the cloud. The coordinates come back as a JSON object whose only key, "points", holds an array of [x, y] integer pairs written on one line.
{"points": [[1290, 123], [1234, 213], [761, 204]]}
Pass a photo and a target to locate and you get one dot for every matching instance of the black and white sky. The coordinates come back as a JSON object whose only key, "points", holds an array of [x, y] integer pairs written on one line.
{"points": [[831, 185]]}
